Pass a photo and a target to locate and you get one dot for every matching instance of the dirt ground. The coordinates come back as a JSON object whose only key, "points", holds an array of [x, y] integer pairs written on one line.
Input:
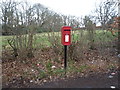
{"points": [[17, 74], [99, 80]]}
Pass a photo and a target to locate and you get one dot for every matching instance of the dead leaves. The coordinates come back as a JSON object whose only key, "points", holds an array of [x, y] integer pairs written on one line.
{"points": [[44, 67]]}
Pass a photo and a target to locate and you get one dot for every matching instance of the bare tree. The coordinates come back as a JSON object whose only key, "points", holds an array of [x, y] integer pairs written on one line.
{"points": [[8, 9], [119, 26], [105, 11]]}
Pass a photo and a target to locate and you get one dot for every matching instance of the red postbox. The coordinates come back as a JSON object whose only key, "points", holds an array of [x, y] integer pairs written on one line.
{"points": [[66, 35]]}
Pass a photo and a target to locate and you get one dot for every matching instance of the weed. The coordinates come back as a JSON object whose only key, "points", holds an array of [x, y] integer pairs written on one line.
{"points": [[111, 66], [58, 71], [48, 67], [42, 74]]}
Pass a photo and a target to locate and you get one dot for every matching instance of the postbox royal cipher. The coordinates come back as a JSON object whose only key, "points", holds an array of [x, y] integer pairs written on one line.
{"points": [[66, 35]]}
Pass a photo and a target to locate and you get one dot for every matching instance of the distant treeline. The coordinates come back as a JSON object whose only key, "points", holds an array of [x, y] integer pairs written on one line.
{"points": [[21, 18]]}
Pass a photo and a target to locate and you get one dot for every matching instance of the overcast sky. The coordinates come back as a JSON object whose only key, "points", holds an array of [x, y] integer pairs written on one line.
{"points": [[68, 7]]}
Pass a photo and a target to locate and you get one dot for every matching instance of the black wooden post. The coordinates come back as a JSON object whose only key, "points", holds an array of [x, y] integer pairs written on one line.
{"points": [[65, 57]]}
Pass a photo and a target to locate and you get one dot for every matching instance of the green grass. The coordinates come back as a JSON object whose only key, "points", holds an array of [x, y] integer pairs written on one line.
{"points": [[98, 36], [4, 39], [43, 38]]}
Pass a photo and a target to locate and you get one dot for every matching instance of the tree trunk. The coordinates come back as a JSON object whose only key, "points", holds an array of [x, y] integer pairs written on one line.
{"points": [[30, 47]]}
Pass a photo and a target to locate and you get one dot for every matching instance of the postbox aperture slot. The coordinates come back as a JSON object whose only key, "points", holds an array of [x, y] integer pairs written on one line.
{"points": [[67, 30]]}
